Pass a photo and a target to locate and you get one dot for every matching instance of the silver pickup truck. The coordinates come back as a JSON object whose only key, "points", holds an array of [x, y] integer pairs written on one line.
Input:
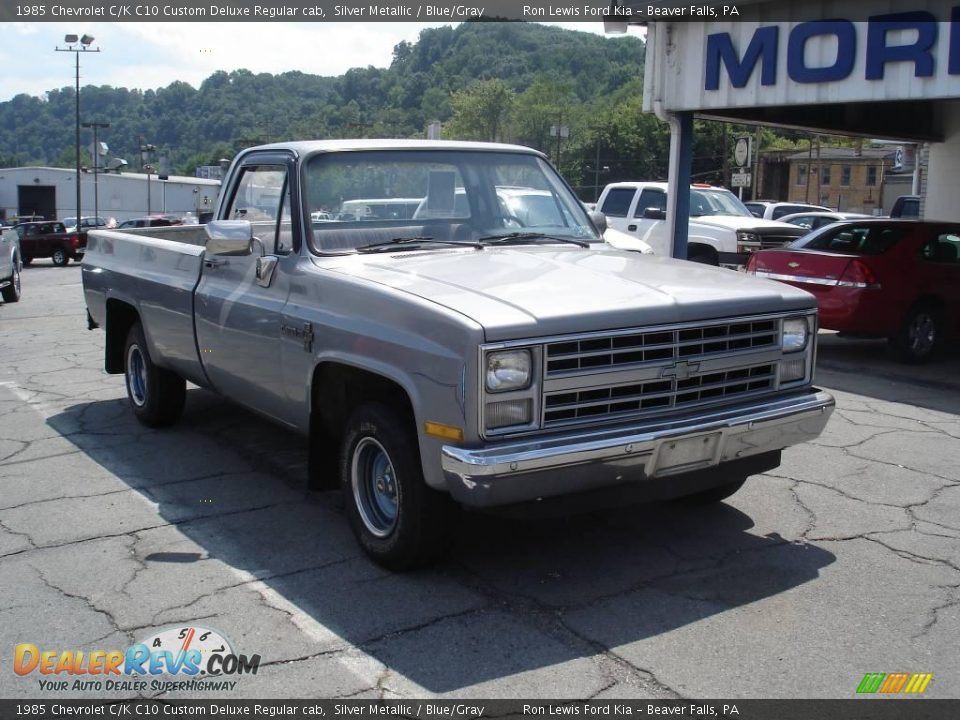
{"points": [[445, 324]]}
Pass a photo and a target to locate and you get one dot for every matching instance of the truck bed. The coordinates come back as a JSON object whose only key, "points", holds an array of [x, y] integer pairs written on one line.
{"points": [[155, 271]]}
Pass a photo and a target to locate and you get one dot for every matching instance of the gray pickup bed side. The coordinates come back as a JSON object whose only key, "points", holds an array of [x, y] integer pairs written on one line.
{"points": [[155, 271]]}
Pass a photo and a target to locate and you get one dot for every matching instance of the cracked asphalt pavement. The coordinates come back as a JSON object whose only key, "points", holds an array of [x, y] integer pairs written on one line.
{"points": [[845, 560]]}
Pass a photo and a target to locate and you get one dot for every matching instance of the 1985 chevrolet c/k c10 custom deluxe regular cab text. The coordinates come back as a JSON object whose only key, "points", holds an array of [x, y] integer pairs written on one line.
{"points": [[445, 324]]}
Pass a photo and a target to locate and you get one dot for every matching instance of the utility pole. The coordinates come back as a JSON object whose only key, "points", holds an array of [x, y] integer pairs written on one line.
{"points": [[85, 43], [145, 150]]}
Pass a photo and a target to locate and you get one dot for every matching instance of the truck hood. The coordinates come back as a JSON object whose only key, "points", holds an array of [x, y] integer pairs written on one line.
{"points": [[535, 291], [741, 222]]}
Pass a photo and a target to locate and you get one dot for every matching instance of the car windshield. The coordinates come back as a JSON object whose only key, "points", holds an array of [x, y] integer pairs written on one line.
{"points": [[69, 221], [716, 202], [441, 199]]}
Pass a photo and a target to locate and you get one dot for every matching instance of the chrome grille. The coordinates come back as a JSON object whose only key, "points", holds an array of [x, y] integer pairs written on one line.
{"points": [[776, 240], [653, 396], [656, 346]]}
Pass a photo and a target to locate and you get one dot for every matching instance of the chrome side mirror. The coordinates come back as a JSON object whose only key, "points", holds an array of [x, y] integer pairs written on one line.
{"points": [[229, 237], [652, 213], [599, 220]]}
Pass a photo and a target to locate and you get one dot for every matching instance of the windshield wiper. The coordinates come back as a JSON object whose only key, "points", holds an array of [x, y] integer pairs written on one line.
{"points": [[413, 243], [521, 238]]}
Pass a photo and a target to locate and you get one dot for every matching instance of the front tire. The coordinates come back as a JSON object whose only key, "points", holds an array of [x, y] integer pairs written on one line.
{"points": [[60, 257], [398, 520], [11, 293], [920, 335], [156, 395]]}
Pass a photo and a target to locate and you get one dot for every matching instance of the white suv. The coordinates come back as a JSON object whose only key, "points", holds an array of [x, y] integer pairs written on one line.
{"points": [[721, 232]]}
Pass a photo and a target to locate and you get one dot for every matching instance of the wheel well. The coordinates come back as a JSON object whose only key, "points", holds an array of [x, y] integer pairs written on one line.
{"points": [[695, 248], [120, 318], [337, 389]]}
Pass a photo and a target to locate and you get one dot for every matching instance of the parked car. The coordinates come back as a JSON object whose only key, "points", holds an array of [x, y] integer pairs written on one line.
{"points": [[774, 210], [86, 223], [50, 239], [455, 356], [906, 206], [898, 279], [814, 220], [152, 221], [10, 265], [721, 230]]}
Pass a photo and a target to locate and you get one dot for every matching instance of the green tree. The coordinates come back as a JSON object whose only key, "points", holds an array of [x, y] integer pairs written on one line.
{"points": [[482, 111]]}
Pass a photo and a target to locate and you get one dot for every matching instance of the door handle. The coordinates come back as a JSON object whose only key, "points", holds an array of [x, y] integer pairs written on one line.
{"points": [[213, 262], [632, 228]]}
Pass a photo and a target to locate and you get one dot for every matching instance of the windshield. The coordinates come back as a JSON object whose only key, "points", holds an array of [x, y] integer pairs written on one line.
{"points": [[357, 199], [69, 221], [716, 202]]}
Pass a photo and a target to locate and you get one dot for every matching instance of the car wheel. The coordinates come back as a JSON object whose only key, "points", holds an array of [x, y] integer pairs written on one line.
{"points": [[713, 495], [156, 395], [399, 521], [920, 335], [60, 257], [11, 293]]}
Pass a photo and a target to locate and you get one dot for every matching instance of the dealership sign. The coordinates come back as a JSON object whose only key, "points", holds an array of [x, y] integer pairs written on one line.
{"points": [[909, 51]]}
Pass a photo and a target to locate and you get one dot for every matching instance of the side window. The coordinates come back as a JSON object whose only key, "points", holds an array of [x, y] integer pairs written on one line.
{"points": [[617, 202], [944, 248], [259, 197], [650, 198], [805, 221]]}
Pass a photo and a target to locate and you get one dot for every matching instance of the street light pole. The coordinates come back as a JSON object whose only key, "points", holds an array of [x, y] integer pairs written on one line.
{"points": [[96, 163], [84, 46], [145, 150]]}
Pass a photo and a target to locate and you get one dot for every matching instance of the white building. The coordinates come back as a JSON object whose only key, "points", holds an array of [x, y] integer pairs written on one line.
{"points": [[52, 193]]}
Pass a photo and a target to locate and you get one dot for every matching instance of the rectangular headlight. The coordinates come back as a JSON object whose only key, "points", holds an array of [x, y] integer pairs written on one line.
{"points": [[796, 333], [508, 370]]}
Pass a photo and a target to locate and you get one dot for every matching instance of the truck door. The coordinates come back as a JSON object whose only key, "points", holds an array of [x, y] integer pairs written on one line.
{"points": [[240, 300], [652, 231], [616, 206]]}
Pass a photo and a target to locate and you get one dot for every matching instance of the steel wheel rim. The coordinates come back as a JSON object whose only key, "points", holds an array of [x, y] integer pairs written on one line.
{"points": [[16, 278], [374, 487], [136, 376], [922, 333], [59, 256]]}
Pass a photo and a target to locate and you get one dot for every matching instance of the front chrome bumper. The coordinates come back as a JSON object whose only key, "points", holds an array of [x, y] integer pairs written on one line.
{"points": [[587, 459]]}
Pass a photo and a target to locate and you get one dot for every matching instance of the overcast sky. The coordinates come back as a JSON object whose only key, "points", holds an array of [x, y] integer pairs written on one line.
{"points": [[152, 55]]}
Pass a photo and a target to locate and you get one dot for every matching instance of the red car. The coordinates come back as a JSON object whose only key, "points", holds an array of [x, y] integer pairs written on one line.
{"points": [[898, 279]]}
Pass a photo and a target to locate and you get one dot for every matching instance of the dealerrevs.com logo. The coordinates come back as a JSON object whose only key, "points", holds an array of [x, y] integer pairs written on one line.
{"points": [[200, 659]]}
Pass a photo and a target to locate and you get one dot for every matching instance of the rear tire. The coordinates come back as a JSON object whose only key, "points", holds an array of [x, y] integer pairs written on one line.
{"points": [[921, 334], [713, 495], [60, 257], [399, 521], [156, 395], [11, 293]]}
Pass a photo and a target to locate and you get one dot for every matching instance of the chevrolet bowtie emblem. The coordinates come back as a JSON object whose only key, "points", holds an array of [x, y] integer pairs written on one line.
{"points": [[793, 264], [681, 370]]}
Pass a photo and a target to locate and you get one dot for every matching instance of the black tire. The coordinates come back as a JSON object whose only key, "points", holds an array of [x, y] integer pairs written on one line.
{"points": [[27, 260], [399, 521], [60, 257], [156, 395], [705, 259], [11, 293], [713, 495], [920, 335]]}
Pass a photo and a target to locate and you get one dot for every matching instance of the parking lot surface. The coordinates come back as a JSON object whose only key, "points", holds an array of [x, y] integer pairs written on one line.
{"points": [[845, 560]]}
